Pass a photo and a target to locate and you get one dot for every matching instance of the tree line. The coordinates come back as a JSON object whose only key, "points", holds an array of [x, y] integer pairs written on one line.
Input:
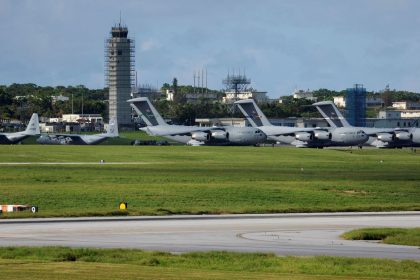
{"points": [[19, 101]]}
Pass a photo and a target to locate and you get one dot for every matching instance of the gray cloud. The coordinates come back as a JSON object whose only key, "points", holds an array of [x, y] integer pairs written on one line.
{"points": [[281, 44]]}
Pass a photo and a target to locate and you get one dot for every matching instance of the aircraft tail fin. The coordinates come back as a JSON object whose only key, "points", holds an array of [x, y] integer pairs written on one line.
{"points": [[331, 114], [112, 128], [33, 125], [145, 109], [253, 113]]}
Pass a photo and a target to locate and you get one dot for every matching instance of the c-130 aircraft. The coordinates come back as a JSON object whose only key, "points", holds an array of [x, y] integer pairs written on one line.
{"points": [[317, 137], [80, 139], [194, 135], [16, 137]]}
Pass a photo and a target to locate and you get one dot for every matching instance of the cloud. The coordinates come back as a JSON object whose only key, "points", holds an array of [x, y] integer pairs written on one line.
{"points": [[281, 44], [149, 45]]}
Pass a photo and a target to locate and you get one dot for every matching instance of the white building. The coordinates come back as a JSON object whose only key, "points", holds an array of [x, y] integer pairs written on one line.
{"points": [[399, 114], [340, 101], [302, 94], [47, 128], [72, 118], [392, 123], [371, 102], [193, 97], [170, 95], [407, 114], [258, 96], [406, 105], [389, 114], [56, 98]]}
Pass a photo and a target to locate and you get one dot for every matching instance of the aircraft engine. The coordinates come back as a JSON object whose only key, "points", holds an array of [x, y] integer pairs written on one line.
{"points": [[220, 135], [402, 135], [304, 136], [201, 136], [386, 137], [322, 135], [416, 136]]}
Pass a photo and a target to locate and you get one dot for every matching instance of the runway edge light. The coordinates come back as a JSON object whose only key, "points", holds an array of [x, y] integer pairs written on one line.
{"points": [[123, 206]]}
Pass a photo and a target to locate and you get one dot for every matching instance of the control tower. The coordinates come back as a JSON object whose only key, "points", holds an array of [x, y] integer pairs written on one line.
{"points": [[119, 73]]}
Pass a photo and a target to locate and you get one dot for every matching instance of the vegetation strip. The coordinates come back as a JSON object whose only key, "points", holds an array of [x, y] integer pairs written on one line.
{"points": [[399, 236], [27, 259]]}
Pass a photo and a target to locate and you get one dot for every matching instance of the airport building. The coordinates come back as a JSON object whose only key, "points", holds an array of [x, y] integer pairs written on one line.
{"points": [[371, 102], [232, 96], [237, 89], [194, 97], [146, 91], [120, 72], [238, 122], [406, 105], [393, 122], [304, 94]]}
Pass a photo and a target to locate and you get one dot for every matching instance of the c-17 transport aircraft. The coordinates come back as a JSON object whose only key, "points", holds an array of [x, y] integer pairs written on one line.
{"points": [[301, 137], [194, 135], [15, 137], [378, 137], [80, 139]]}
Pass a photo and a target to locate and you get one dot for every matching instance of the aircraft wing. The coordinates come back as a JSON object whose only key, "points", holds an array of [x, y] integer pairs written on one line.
{"points": [[291, 131], [183, 131], [372, 131]]}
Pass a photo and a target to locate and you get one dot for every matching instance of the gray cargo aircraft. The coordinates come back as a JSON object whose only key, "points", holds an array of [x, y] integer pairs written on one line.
{"points": [[80, 139], [301, 137], [378, 137], [194, 135], [15, 137]]}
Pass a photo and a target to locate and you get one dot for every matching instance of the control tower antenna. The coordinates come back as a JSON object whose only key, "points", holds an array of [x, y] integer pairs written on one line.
{"points": [[236, 83]]}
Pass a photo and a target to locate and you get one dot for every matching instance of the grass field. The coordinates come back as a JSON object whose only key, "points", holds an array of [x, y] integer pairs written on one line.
{"points": [[400, 236], [181, 179], [65, 263]]}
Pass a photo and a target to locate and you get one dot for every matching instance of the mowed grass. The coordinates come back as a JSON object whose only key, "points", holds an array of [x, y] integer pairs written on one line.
{"points": [[399, 236], [196, 180], [67, 263]]}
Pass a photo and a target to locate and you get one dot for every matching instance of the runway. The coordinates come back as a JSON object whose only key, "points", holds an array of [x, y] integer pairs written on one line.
{"points": [[282, 234], [78, 163]]}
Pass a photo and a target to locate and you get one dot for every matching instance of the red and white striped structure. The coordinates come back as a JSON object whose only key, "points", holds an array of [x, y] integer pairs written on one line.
{"points": [[17, 208]]}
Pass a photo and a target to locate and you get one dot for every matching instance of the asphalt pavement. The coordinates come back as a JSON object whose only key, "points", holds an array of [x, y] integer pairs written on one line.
{"points": [[283, 234]]}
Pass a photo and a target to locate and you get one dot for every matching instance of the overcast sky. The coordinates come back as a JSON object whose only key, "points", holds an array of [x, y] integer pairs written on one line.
{"points": [[280, 44]]}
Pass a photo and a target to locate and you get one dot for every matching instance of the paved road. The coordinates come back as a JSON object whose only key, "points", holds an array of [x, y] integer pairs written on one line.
{"points": [[78, 163], [282, 234]]}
